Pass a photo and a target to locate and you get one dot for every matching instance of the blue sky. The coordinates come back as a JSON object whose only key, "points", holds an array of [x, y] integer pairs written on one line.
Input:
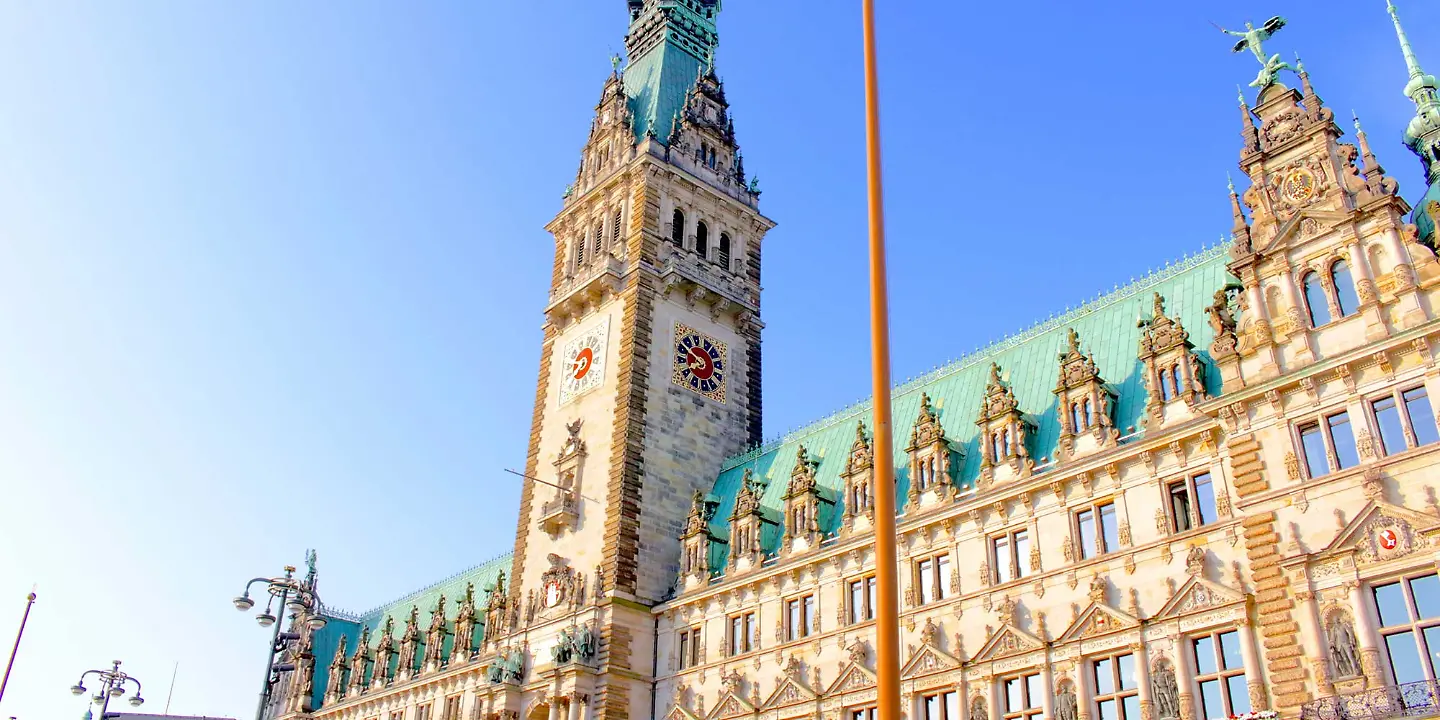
{"points": [[271, 273]]}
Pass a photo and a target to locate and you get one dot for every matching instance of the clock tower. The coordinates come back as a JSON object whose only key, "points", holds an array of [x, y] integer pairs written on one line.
{"points": [[649, 368]]}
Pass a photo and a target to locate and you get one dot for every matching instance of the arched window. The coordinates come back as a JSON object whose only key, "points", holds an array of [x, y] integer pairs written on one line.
{"points": [[711, 161], [580, 250], [700, 153], [1076, 424], [1316, 300], [702, 238], [1166, 395], [1085, 413], [995, 447], [724, 255], [1009, 448], [1344, 288], [677, 228], [1175, 381]]}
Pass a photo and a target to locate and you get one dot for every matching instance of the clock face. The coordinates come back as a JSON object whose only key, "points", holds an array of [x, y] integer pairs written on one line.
{"points": [[582, 364], [700, 363], [1298, 185]]}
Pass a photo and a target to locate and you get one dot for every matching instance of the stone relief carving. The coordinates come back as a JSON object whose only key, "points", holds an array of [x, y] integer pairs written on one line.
{"points": [[1342, 644], [1165, 690]]}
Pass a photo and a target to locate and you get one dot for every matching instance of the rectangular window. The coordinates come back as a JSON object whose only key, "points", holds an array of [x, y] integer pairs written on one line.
{"points": [[867, 713], [1342, 439], [1220, 674], [742, 633], [1192, 503], [422, 712], [1010, 556], [1409, 613], [932, 576], [452, 707], [1023, 697], [1098, 530], [1422, 419], [799, 617], [862, 599], [1392, 432], [1313, 446], [690, 647], [397, 715], [941, 706], [1117, 691]]}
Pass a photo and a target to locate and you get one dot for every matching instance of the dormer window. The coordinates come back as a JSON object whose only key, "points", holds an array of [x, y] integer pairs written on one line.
{"points": [[677, 228], [1173, 372], [1006, 431], [702, 238]]}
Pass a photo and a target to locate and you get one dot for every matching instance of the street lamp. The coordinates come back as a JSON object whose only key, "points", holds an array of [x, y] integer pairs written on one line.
{"points": [[291, 594], [112, 685]]}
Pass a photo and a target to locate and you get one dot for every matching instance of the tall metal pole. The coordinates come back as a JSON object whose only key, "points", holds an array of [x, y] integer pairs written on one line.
{"points": [[887, 620], [29, 603], [274, 643]]}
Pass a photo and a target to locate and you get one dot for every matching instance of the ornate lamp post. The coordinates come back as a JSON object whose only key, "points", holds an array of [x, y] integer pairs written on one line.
{"points": [[290, 593], [112, 685]]}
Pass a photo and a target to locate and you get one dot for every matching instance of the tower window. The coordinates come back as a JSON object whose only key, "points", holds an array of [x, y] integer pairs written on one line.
{"points": [[677, 228], [615, 228], [724, 255], [1345, 297], [599, 238], [702, 238], [580, 250], [1315, 300]]}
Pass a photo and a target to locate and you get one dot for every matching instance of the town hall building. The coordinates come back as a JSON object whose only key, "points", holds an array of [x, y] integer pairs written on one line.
{"points": [[1227, 507]]}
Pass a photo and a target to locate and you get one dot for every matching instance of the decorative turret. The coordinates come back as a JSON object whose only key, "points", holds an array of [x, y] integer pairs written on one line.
{"points": [[464, 627], [1004, 432], [1173, 372], [859, 470], [358, 661], [747, 523], [802, 505], [1084, 401], [929, 452], [695, 543]]}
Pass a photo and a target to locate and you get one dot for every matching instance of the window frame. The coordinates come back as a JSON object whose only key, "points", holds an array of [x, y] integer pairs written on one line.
{"points": [[1401, 407], [1027, 711], [1119, 693], [1321, 423], [866, 611], [808, 616], [750, 641], [1101, 544], [864, 712], [1416, 626], [943, 698], [1021, 563], [688, 646], [1194, 520], [939, 580], [1222, 673], [1324, 296], [422, 712]]}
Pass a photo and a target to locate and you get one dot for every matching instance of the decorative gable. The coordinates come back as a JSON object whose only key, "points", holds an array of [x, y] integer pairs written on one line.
{"points": [[1007, 640], [802, 505], [731, 705], [792, 690], [1004, 431], [1382, 531], [853, 678], [1173, 372], [746, 522], [680, 712], [695, 542], [929, 452], [1085, 404], [928, 660], [1197, 594], [859, 471], [1098, 619]]}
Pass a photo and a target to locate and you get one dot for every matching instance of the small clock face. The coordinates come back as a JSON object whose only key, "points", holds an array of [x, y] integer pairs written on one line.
{"points": [[582, 366], [699, 363], [1298, 185]]}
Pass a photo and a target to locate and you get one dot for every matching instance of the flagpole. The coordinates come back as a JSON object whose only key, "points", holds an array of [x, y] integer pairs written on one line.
{"points": [[887, 618], [29, 603]]}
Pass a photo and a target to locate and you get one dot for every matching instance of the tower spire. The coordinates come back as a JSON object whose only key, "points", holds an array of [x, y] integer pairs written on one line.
{"points": [[1248, 131], [1422, 135], [1411, 63]]}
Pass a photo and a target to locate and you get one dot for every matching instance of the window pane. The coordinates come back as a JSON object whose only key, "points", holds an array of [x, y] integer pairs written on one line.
{"points": [[1432, 646], [1086, 521], [1316, 301], [932, 707], [1239, 695], [1392, 435], [1314, 448], [1342, 436], [927, 581], [1345, 295], [1132, 707], [1205, 499], [1180, 506], [1013, 698], [1022, 553], [1108, 711], [1110, 528], [1205, 655], [1390, 601], [952, 706], [1422, 420], [1230, 657], [1212, 705], [870, 609], [809, 614], [1426, 591], [1404, 658], [1034, 696], [684, 648], [857, 601], [1002, 560], [942, 576], [1104, 676], [749, 630], [1128, 680]]}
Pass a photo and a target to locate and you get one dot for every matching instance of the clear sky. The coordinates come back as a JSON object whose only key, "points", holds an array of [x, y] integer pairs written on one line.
{"points": [[271, 273]]}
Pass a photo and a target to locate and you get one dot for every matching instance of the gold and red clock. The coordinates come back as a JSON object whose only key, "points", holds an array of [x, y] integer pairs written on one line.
{"points": [[701, 363]]}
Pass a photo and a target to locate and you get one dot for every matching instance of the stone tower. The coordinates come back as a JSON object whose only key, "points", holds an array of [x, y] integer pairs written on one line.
{"points": [[650, 364]]}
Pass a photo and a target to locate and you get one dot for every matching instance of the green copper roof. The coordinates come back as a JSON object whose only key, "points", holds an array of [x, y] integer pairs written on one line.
{"points": [[670, 43], [350, 625], [1029, 361]]}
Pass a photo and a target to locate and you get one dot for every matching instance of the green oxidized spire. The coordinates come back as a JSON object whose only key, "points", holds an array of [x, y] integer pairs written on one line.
{"points": [[1422, 135], [670, 44]]}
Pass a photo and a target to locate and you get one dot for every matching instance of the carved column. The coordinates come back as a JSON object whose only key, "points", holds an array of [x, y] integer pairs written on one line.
{"points": [[1047, 682], [554, 707], [1082, 692], [1407, 299], [1313, 641], [577, 705], [1254, 669], [1142, 678], [1367, 634], [1263, 332]]}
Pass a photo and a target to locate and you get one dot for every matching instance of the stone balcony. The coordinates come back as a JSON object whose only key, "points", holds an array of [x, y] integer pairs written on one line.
{"points": [[1410, 700], [585, 287], [560, 513], [705, 282]]}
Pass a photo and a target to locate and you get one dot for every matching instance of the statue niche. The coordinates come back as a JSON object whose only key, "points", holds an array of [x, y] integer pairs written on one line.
{"points": [[1085, 404], [1004, 433], [562, 511]]}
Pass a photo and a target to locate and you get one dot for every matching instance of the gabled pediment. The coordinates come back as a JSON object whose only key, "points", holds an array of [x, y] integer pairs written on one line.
{"points": [[1197, 593], [731, 705], [854, 677], [1382, 531], [790, 691], [928, 660], [1008, 640], [1290, 228], [1098, 619], [679, 712]]}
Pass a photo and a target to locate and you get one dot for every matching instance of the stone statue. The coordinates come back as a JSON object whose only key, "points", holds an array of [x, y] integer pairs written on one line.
{"points": [[1252, 39], [358, 660], [563, 649], [1222, 321], [1066, 707], [408, 642], [384, 653], [1166, 691], [464, 627], [1340, 636], [335, 683], [585, 645], [979, 710], [435, 638]]}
